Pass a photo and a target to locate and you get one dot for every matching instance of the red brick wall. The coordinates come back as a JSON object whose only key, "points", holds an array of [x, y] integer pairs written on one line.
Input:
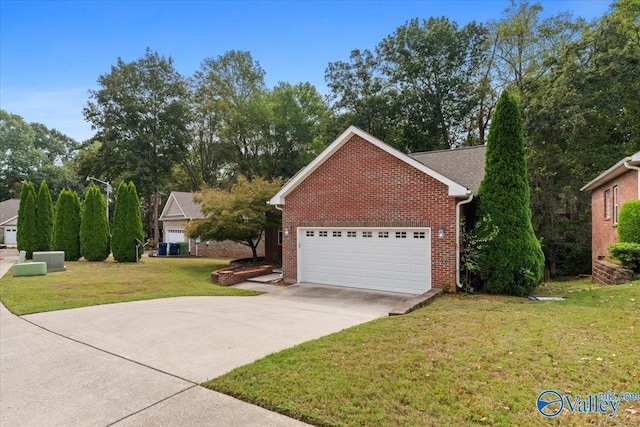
{"points": [[604, 230], [361, 185]]}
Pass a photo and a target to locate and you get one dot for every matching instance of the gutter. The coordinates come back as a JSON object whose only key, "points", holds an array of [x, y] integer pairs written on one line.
{"points": [[629, 166], [460, 203]]}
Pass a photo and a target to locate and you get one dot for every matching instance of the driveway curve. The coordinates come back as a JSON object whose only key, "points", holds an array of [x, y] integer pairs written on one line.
{"points": [[140, 363]]}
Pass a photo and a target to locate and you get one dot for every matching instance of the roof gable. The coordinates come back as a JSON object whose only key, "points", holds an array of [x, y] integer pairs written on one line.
{"points": [[9, 210], [454, 189], [180, 205], [614, 172]]}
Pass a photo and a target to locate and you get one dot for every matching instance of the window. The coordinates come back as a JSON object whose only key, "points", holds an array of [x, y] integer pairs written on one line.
{"points": [[367, 234], [351, 234], [310, 233], [401, 234], [383, 234], [419, 235], [337, 234], [615, 204], [607, 204], [322, 233]]}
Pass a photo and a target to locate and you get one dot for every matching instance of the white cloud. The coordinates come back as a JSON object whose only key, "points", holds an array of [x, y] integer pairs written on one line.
{"points": [[59, 109]]}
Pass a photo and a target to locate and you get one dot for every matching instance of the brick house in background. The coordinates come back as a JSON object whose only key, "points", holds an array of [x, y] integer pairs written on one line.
{"points": [[609, 191], [365, 215], [179, 210]]}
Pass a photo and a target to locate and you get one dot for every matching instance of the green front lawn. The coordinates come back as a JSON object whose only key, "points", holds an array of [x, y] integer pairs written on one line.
{"points": [[92, 283], [463, 360]]}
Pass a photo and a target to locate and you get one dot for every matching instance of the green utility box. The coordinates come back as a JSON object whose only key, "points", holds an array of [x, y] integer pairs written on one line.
{"points": [[30, 269]]}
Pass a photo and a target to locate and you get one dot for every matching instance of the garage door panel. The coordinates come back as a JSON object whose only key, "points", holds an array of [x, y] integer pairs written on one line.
{"points": [[390, 260]]}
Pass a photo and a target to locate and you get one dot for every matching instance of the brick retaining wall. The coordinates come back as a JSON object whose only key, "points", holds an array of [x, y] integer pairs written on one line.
{"points": [[606, 273], [234, 275]]}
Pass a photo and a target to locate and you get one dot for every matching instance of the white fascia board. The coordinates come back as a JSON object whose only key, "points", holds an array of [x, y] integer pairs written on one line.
{"points": [[614, 171], [8, 220], [166, 206], [455, 189]]}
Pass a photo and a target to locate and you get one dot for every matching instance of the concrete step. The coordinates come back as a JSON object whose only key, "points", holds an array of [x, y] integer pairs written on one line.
{"points": [[416, 302], [266, 278]]}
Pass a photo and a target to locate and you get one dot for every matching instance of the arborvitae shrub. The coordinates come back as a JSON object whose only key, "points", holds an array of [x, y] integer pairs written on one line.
{"points": [[127, 224], [66, 230], [26, 234], [512, 262], [94, 230], [44, 218]]}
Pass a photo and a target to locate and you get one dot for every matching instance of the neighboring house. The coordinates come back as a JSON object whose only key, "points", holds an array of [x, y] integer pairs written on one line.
{"points": [[179, 210], [365, 215], [9, 221], [609, 191]]}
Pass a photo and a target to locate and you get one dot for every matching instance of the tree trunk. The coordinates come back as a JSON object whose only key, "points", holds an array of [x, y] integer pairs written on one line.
{"points": [[254, 249]]}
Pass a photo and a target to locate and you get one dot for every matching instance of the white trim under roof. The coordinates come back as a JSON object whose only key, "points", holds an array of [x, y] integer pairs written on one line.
{"points": [[613, 172], [455, 189], [9, 220]]}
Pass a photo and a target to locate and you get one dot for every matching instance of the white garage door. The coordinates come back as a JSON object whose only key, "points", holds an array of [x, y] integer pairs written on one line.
{"points": [[385, 259], [174, 236], [10, 236]]}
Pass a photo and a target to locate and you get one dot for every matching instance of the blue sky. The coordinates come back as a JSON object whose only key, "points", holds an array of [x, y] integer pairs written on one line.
{"points": [[52, 52]]}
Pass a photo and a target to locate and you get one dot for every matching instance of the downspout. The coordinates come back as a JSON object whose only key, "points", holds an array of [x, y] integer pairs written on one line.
{"points": [[628, 166], [460, 203]]}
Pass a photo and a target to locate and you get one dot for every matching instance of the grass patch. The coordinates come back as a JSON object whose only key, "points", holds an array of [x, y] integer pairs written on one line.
{"points": [[463, 360], [93, 283]]}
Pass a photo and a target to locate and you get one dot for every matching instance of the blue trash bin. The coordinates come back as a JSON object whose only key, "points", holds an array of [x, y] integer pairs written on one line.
{"points": [[174, 249], [162, 249]]}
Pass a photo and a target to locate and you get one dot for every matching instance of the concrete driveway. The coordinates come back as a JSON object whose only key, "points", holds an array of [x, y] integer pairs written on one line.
{"points": [[139, 363]]}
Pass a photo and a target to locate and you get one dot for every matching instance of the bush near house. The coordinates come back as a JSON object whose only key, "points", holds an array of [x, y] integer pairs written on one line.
{"points": [[94, 230], [44, 218], [26, 234], [628, 254], [512, 262], [66, 230], [629, 222]]}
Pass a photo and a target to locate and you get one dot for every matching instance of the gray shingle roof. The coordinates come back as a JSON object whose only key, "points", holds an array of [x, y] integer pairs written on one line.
{"points": [[8, 209], [465, 166]]}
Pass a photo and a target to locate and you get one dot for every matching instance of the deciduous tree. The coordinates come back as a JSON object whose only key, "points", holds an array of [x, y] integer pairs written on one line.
{"points": [[32, 152], [240, 215], [141, 116], [436, 68]]}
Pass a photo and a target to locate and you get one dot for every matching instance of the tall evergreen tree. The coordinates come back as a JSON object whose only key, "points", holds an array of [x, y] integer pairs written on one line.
{"points": [[512, 262], [44, 218], [127, 223], [66, 230], [94, 230], [26, 234]]}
